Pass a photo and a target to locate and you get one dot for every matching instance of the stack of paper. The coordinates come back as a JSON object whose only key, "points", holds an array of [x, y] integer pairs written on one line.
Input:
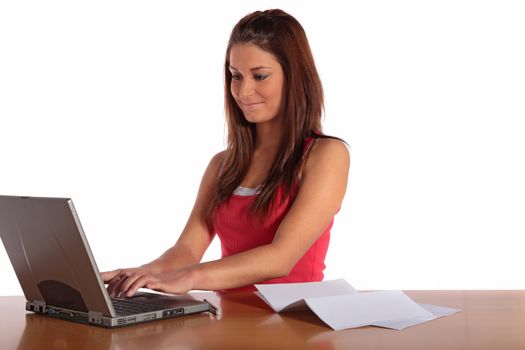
{"points": [[340, 306]]}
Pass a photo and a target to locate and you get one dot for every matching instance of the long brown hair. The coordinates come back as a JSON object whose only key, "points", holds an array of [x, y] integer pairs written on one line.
{"points": [[280, 34]]}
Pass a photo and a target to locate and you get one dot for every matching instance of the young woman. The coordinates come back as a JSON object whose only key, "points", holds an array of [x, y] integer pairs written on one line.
{"points": [[271, 196]]}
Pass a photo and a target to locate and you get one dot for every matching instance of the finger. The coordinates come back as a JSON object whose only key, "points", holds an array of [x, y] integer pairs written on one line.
{"points": [[140, 282], [130, 280], [107, 276], [115, 285], [156, 285]]}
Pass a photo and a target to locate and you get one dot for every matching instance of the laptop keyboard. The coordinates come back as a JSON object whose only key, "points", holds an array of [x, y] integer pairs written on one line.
{"points": [[125, 307]]}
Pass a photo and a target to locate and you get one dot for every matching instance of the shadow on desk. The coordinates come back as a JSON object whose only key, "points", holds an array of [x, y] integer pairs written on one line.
{"points": [[43, 332], [247, 299]]}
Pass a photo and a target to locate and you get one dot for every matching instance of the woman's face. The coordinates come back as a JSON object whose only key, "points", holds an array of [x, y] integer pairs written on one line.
{"points": [[257, 82]]}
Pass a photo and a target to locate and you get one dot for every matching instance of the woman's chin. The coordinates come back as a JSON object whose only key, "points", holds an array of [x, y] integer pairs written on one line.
{"points": [[253, 118], [257, 118]]}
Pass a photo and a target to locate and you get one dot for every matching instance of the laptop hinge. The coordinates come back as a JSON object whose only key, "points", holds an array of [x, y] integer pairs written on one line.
{"points": [[36, 306], [95, 317]]}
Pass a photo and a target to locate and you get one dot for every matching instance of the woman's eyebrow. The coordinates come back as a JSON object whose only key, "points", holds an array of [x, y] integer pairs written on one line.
{"points": [[252, 69]]}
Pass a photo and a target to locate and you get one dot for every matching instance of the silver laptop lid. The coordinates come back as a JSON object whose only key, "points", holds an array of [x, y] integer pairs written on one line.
{"points": [[50, 254]]}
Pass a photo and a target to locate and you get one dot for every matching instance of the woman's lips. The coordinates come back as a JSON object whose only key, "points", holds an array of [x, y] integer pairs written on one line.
{"points": [[252, 106]]}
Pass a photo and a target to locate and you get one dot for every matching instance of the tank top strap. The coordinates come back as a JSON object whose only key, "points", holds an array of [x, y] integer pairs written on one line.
{"points": [[309, 143]]}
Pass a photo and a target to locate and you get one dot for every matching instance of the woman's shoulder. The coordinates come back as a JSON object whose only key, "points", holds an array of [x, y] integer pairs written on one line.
{"points": [[327, 151], [217, 161], [325, 146], [218, 157]]}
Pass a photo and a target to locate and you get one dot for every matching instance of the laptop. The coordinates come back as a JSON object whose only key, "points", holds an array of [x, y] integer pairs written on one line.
{"points": [[58, 274]]}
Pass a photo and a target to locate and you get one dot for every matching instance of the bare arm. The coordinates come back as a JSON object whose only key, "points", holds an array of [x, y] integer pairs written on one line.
{"points": [[196, 237], [322, 190], [191, 244]]}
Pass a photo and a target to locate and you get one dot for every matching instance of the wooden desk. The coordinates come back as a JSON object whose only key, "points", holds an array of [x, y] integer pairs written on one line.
{"points": [[489, 320]]}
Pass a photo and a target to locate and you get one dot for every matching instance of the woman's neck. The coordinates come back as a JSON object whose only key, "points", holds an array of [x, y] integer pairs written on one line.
{"points": [[268, 136]]}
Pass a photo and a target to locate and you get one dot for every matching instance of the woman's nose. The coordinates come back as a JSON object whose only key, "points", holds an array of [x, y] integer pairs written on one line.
{"points": [[246, 89]]}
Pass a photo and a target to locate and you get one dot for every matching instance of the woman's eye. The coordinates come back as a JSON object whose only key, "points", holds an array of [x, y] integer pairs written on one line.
{"points": [[236, 77], [261, 76]]}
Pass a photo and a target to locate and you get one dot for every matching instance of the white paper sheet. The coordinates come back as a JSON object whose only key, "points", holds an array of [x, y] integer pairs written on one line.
{"points": [[436, 311], [290, 296], [340, 306], [363, 309]]}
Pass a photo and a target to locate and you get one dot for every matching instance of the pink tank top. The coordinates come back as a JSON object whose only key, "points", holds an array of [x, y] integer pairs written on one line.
{"points": [[238, 233]]}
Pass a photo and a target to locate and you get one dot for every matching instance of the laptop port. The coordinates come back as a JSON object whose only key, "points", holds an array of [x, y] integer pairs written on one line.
{"points": [[173, 312], [150, 317]]}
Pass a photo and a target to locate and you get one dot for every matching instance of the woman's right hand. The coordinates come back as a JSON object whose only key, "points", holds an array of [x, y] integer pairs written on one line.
{"points": [[115, 278]]}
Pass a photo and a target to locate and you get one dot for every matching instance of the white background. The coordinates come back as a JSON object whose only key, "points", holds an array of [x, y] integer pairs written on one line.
{"points": [[119, 105]]}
